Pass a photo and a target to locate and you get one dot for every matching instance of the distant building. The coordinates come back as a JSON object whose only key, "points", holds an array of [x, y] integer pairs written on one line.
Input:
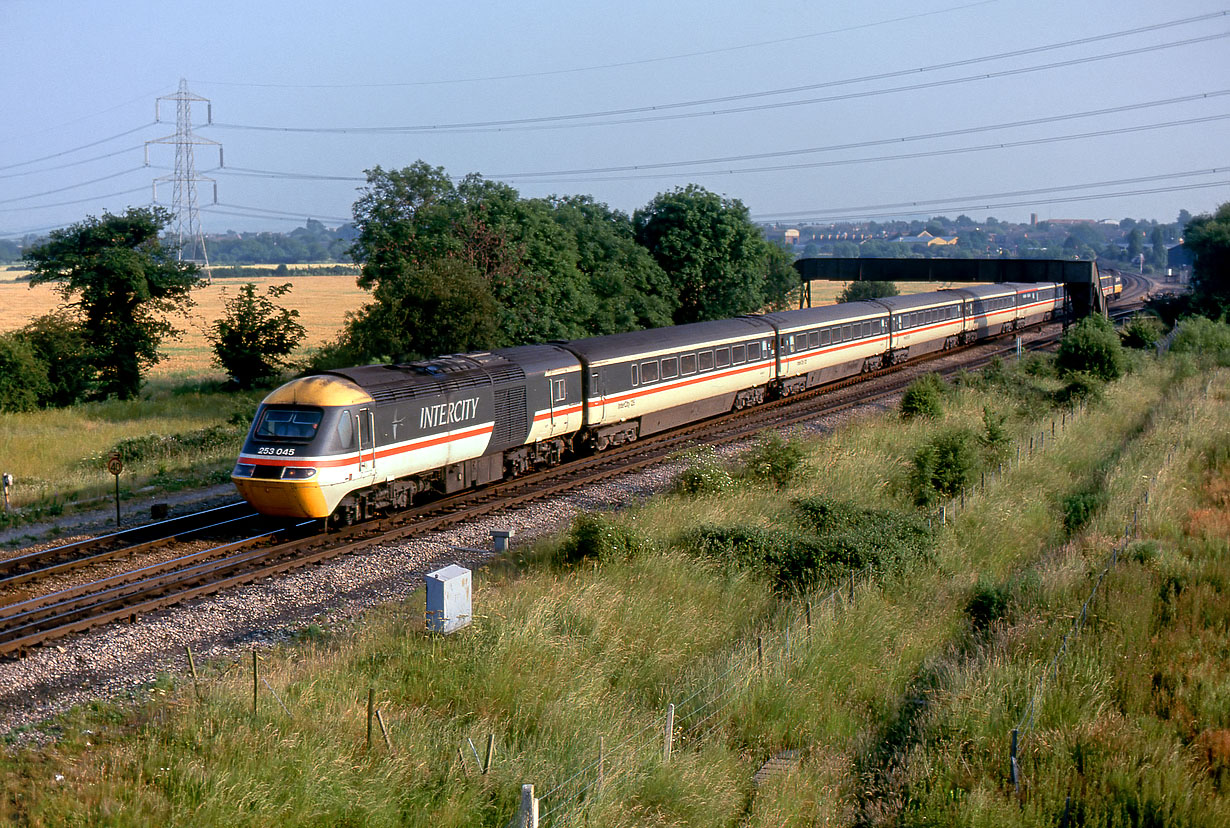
{"points": [[791, 236], [925, 239]]}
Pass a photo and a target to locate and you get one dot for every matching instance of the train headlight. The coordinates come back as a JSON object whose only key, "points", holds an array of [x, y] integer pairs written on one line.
{"points": [[243, 470], [297, 473]]}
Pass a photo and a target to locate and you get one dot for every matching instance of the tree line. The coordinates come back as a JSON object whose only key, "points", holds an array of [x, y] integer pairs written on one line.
{"points": [[450, 266]]}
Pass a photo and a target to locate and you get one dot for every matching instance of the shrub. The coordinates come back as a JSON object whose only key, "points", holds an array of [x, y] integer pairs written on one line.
{"points": [[251, 342], [1204, 338], [774, 459], [1142, 331], [924, 397], [831, 538], [598, 536], [988, 603], [154, 447], [23, 376], [1079, 508], [944, 466], [1079, 387], [705, 474], [1091, 346], [60, 343], [994, 436]]}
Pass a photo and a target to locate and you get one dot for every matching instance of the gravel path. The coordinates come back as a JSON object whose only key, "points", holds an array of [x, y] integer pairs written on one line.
{"points": [[115, 661]]}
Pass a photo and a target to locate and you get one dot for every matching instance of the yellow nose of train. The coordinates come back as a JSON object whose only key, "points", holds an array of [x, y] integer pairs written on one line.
{"points": [[300, 456]]}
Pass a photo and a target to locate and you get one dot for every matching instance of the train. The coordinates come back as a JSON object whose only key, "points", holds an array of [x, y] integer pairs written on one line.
{"points": [[1111, 283], [351, 443]]}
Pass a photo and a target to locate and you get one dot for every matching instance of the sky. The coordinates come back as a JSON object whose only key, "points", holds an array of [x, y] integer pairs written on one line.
{"points": [[806, 112]]}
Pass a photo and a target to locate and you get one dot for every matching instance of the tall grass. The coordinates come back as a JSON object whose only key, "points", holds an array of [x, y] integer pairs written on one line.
{"points": [[899, 698], [59, 455]]}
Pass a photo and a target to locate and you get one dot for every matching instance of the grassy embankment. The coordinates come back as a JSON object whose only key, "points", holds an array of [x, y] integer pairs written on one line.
{"points": [[900, 700]]}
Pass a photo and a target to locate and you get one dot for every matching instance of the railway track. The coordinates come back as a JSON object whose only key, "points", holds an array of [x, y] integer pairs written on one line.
{"points": [[40, 618]]}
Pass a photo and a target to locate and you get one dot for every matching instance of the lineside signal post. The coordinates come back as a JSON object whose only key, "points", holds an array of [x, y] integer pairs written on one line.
{"points": [[115, 465], [7, 481]]}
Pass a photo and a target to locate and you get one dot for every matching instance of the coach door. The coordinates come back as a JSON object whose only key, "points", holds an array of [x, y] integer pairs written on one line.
{"points": [[367, 442], [593, 398]]}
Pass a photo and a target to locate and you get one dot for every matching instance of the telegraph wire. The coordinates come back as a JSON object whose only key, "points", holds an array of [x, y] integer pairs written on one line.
{"points": [[45, 130], [621, 64], [618, 115], [292, 214]]}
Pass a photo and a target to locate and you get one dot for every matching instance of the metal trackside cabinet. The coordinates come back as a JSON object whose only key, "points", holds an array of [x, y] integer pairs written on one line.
{"points": [[448, 599]]}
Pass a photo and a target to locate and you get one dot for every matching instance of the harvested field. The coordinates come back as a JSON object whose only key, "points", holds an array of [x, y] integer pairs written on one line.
{"points": [[322, 302]]}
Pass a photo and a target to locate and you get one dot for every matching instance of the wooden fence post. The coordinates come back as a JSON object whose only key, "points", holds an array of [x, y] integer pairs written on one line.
{"points": [[670, 733], [255, 686], [760, 654], [809, 615], [1014, 773], [490, 752], [371, 714], [196, 687], [527, 814], [601, 762]]}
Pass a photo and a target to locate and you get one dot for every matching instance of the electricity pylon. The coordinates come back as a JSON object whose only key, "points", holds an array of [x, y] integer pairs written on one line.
{"points": [[184, 200]]}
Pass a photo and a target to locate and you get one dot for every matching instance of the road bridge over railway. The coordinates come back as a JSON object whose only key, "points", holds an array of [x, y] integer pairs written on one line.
{"points": [[1078, 277]]}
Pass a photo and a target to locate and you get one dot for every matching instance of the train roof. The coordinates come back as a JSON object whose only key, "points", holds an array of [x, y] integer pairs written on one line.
{"points": [[913, 301], [635, 343], [824, 314]]}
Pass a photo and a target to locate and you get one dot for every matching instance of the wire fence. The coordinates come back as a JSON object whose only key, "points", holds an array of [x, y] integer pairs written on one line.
{"points": [[703, 710], [1028, 720]]}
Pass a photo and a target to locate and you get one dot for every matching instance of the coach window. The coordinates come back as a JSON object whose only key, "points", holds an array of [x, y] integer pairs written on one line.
{"points": [[649, 371], [705, 359], [753, 351], [845, 333], [560, 392], [722, 355], [636, 374], [670, 368], [826, 336], [738, 354], [687, 364], [345, 430]]}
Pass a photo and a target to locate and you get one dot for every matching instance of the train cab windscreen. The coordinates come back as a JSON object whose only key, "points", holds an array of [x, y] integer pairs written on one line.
{"points": [[288, 425]]}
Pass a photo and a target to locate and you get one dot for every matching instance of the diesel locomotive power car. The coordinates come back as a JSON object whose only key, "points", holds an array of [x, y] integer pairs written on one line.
{"points": [[356, 441]]}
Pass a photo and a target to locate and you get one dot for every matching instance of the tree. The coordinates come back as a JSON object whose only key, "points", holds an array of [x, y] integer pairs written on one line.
{"points": [[125, 283], [251, 342], [1208, 237], [1134, 245], [440, 307], [1092, 346], [710, 249], [59, 342], [781, 279], [23, 376], [860, 291], [1157, 251]]}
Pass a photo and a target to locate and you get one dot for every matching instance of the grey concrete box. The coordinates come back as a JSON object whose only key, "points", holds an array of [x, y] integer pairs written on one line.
{"points": [[448, 599]]}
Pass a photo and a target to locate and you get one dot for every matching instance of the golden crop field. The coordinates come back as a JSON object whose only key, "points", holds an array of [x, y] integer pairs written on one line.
{"points": [[322, 302]]}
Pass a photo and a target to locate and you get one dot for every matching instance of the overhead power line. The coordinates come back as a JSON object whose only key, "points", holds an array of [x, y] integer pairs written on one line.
{"points": [[89, 160], [91, 199], [602, 66], [909, 156], [1092, 113], [69, 187], [62, 153], [1063, 188], [656, 112], [957, 207]]}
